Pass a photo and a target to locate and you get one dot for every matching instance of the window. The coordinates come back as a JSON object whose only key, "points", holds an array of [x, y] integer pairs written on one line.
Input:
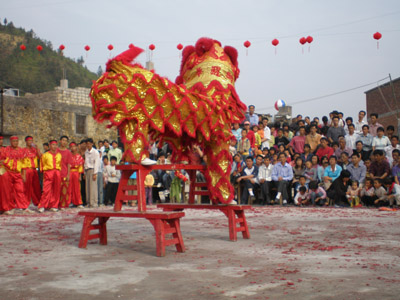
{"points": [[80, 124]]}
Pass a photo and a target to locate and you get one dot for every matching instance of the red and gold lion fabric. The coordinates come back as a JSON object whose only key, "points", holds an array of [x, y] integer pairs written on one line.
{"points": [[197, 110]]}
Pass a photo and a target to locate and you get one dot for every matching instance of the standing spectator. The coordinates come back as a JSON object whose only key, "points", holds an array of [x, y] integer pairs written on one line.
{"points": [[66, 162], [332, 172], [237, 132], [335, 131], [297, 143], [112, 177], [101, 147], [390, 131], [100, 181], [244, 145], [342, 148], [233, 146], [115, 151], [366, 138], [324, 150], [267, 134], [374, 125], [107, 147], [380, 142], [92, 165], [337, 190], [344, 160], [380, 168], [307, 154], [349, 120], [358, 171], [75, 176], [251, 116], [280, 138], [248, 176], [50, 165], [265, 179], [359, 150], [282, 175], [389, 149], [298, 171], [396, 166], [148, 187], [351, 137], [250, 135], [313, 138], [360, 123]]}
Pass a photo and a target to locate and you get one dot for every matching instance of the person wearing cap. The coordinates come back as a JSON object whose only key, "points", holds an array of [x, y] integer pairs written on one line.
{"points": [[33, 191], [14, 162], [75, 176], [5, 192], [115, 151], [66, 162], [324, 149], [50, 165], [250, 135]]}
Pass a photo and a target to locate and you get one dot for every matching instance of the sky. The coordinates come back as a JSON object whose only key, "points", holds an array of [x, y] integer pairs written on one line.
{"points": [[343, 61]]}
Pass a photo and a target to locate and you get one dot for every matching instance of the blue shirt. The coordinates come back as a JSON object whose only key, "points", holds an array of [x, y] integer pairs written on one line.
{"points": [[285, 171], [367, 141], [333, 174], [237, 133], [252, 119], [357, 173]]}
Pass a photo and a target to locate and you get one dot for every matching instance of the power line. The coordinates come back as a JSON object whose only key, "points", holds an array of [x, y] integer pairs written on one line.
{"points": [[328, 95]]}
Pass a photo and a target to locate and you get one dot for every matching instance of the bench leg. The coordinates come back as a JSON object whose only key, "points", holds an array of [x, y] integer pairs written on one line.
{"points": [[103, 230], [175, 225], [243, 223], [236, 216], [160, 236], [231, 224], [87, 223]]}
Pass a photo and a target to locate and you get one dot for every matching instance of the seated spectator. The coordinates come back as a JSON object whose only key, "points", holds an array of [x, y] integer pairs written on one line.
{"points": [[351, 137], [367, 164], [342, 148], [332, 172], [353, 194], [324, 150], [335, 131], [232, 146], [301, 197], [297, 143], [396, 165], [337, 190], [313, 138], [315, 161], [359, 150], [244, 146], [298, 171], [380, 168], [265, 152], [390, 131], [366, 138], [367, 193], [257, 137], [238, 166], [248, 176], [237, 132], [344, 160], [380, 198], [374, 125], [357, 170], [281, 139], [288, 134], [282, 175], [317, 194], [322, 167], [302, 182], [307, 155], [393, 191], [380, 141], [394, 144], [265, 179], [250, 135], [310, 173]]}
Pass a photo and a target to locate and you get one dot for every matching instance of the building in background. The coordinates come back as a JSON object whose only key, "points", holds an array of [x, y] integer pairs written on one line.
{"points": [[385, 101]]}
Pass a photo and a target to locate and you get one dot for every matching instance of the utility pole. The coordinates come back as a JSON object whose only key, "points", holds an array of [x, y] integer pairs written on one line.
{"points": [[396, 105]]}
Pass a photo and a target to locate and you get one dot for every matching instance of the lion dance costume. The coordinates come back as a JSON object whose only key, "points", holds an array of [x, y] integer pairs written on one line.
{"points": [[198, 109]]}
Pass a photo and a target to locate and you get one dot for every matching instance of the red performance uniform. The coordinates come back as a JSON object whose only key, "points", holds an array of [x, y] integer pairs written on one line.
{"points": [[14, 163], [74, 182], [5, 191], [65, 192], [50, 165], [32, 184]]}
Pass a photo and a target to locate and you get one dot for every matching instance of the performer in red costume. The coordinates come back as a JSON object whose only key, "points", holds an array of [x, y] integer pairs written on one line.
{"points": [[75, 176], [5, 192], [50, 165], [32, 184], [14, 162], [66, 161]]}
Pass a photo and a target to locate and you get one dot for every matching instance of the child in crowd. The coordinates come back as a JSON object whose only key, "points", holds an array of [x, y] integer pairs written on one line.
{"points": [[244, 145], [148, 187], [367, 163], [301, 197], [317, 194], [353, 194], [257, 137], [380, 194], [367, 193], [310, 173], [111, 177], [307, 155], [393, 191], [232, 146], [301, 182]]}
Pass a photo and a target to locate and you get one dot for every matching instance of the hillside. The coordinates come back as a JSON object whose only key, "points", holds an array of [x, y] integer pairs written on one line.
{"points": [[34, 72]]}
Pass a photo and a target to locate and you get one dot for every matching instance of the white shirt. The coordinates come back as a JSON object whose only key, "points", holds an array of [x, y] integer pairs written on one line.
{"points": [[358, 126], [267, 135], [92, 160], [380, 143], [351, 140], [265, 172], [389, 150], [109, 170]]}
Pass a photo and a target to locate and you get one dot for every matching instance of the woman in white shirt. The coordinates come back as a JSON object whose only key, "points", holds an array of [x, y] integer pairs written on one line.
{"points": [[380, 141]]}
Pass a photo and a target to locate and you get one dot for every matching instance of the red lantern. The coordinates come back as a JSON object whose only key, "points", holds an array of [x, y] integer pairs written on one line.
{"points": [[39, 48], [309, 39], [110, 47], [303, 40], [275, 42], [247, 44], [87, 48], [22, 47], [62, 47], [377, 35], [179, 46], [152, 47]]}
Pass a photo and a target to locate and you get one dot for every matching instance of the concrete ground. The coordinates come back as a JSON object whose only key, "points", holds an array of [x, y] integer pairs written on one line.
{"points": [[293, 253]]}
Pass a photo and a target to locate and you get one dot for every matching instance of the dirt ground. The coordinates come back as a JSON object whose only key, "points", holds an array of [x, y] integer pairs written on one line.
{"points": [[293, 253]]}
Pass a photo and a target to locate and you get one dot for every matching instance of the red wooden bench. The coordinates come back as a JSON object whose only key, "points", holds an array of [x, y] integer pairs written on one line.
{"points": [[164, 223], [234, 213]]}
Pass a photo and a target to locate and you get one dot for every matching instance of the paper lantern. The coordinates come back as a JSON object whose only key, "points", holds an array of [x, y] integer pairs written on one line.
{"points": [[303, 40], [280, 103], [62, 47], [309, 39], [179, 46], [87, 48], [377, 36], [247, 44], [110, 47], [39, 48], [275, 42], [22, 47], [152, 47]]}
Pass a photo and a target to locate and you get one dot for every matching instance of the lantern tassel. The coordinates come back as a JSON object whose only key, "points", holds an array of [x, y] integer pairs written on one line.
{"points": [[275, 51], [302, 50], [377, 45]]}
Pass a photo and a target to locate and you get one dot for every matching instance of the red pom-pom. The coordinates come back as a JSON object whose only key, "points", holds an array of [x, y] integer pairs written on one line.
{"points": [[39, 48], [377, 35], [87, 48], [187, 51], [22, 47], [247, 44], [232, 53], [275, 42], [303, 40], [62, 47], [309, 39], [203, 45], [110, 47], [179, 79], [127, 56], [152, 47], [179, 46]]}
